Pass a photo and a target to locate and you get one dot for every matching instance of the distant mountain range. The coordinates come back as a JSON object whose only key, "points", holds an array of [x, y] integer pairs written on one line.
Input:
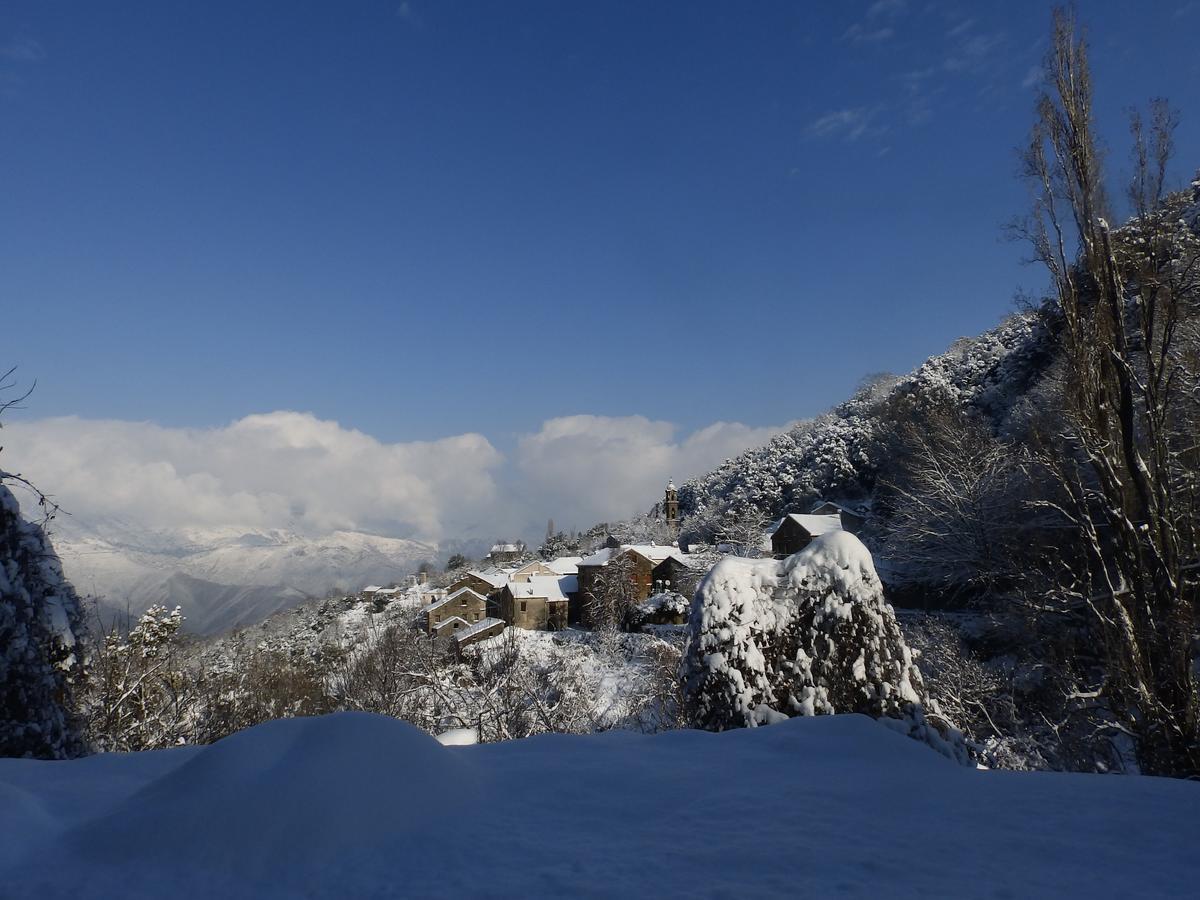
{"points": [[224, 578]]}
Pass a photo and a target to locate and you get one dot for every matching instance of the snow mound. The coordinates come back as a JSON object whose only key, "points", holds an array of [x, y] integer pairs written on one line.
{"points": [[355, 805], [261, 792]]}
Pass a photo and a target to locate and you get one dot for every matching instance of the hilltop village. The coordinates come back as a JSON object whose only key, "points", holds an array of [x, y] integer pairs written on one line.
{"points": [[627, 586]]}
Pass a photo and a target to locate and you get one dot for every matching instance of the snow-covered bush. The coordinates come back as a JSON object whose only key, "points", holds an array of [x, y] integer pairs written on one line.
{"points": [[810, 635], [141, 695], [40, 624]]}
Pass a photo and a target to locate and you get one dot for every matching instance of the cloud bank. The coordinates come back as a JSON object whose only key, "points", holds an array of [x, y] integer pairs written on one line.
{"points": [[292, 470]]}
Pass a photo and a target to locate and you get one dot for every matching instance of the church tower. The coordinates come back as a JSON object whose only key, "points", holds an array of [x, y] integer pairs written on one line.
{"points": [[671, 506]]}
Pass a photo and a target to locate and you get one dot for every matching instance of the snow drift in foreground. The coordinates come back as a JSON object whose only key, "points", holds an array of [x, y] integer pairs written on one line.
{"points": [[354, 804]]}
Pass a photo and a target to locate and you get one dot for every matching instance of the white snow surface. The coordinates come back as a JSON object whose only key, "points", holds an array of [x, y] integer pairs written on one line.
{"points": [[355, 804]]}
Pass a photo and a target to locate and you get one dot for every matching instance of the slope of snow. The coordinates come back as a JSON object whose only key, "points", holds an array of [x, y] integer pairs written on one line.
{"points": [[361, 805], [228, 577]]}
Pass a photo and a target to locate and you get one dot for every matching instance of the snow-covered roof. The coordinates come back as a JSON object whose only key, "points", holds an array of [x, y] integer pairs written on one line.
{"points": [[444, 600], [657, 553], [599, 558], [834, 505], [370, 589], [548, 587], [816, 525], [481, 625], [506, 548], [495, 578], [565, 565], [537, 567]]}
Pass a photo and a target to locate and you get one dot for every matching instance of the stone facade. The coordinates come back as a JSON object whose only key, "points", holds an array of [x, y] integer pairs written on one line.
{"points": [[466, 604]]}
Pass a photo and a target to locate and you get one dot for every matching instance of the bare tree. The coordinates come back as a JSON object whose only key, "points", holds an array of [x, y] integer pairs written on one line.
{"points": [[954, 502], [614, 595], [1124, 451]]}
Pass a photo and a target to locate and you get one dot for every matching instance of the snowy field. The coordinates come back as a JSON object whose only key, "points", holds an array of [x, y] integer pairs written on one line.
{"points": [[360, 805]]}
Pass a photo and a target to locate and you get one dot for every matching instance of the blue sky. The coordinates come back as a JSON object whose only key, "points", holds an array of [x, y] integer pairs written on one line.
{"points": [[424, 218]]}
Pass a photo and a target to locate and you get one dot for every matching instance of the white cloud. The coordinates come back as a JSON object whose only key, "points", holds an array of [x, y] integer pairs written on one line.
{"points": [[23, 49], [278, 470], [849, 124], [293, 470], [886, 8], [599, 468], [861, 34]]}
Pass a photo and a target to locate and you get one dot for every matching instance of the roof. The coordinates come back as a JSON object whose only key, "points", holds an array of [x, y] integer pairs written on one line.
{"points": [[440, 625], [481, 625], [547, 587], [532, 568], [653, 552], [839, 506], [370, 589], [599, 558], [495, 579], [507, 548], [816, 525], [444, 600], [658, 553], [565, 565]]}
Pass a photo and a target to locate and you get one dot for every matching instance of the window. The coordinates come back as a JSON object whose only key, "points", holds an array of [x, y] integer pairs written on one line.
{"points": [[462, 602], [522, 606]]}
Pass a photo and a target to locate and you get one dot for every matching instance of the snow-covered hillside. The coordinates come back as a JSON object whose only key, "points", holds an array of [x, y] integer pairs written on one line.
{"points": [[361, 805], [840, 454], [224, 578]]}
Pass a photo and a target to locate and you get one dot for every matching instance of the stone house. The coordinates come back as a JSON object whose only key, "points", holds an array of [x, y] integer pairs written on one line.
{"points": [[480, 631], [530, 570], [654, 567], [465, 604], [795, 531], [502, 553], [555, 568], [447, 628], [539, 604], [488, 582]]}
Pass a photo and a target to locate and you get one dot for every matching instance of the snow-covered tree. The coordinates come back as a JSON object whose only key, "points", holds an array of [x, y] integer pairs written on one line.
{"points": [[141, 694], [40, 628], [809, 635], [40, 625]]}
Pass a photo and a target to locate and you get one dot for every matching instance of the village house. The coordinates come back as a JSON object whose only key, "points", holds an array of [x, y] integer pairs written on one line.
{"points": [[480, 631], [464, 604], [530, 570], [654, 568], [488, 582], [557, 568], [502, 553], [795, 531], [448, 627], [541, 603]]}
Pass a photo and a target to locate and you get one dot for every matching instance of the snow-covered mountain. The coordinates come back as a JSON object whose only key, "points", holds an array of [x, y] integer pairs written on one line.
{"points": [[224, 578]]}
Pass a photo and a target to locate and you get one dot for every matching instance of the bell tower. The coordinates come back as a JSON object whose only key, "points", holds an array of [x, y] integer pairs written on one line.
{"points": [[671, 505]]}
